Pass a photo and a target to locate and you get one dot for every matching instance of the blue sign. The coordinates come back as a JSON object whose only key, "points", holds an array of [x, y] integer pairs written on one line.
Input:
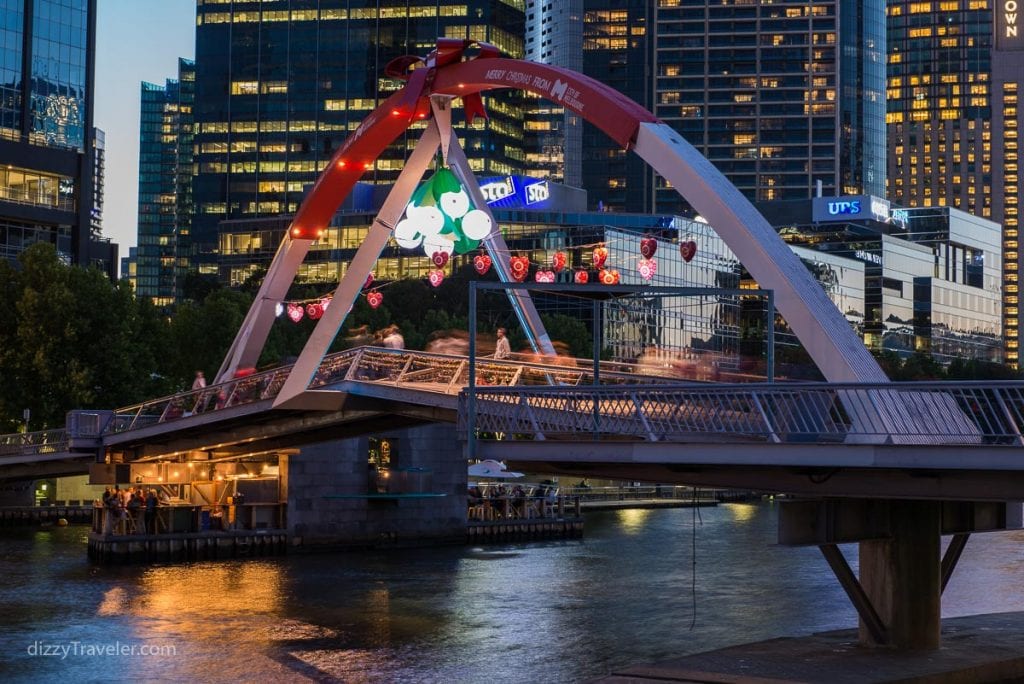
{"points": [[509, 192], [838, 207], [853, 207]]}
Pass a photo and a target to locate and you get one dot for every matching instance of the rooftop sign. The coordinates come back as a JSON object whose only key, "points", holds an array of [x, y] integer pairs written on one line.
{"points": [[852, 207], [1008, 25]]}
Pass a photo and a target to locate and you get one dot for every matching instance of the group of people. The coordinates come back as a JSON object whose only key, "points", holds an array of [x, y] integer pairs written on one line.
{"points": [[136, 505], [488, 502]]}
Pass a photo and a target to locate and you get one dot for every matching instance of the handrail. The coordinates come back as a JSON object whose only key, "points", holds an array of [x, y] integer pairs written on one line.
{"points": [[40, 442], [372, 364], [933, 413]]}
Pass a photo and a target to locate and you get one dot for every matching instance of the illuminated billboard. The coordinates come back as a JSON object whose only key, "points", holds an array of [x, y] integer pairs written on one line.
{"points": [[1009, 35]]}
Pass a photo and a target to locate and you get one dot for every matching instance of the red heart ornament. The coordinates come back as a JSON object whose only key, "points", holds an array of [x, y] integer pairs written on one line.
{"points": [[315, 310], [605, 277], [482, 263], [439, 259], [558, 261], [581, 277], [295, 312], [648, 246], [369, 280], [374, 299], [436, 278], [520, 266], [600, 256], [687, 250], [647, 268], [544, 276]]}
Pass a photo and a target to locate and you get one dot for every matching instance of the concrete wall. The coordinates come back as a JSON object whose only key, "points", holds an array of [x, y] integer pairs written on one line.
{"points": [[340, 468]]}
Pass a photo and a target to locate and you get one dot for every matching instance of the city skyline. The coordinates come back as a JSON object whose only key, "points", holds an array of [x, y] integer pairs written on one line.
{"points": [[136, 41]]}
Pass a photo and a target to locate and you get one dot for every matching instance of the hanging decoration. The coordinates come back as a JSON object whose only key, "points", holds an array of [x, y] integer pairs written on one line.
{"points": [[648, 246], [520, 266], [647, 268], [482, 263], [436, 278], [439, 259], [441, 218], [687, 250], [278, 309], [374, 299], [608, 276], [544, 276], [558, 261], [325, 302], [314, 311], [369, 280], [295, 312], [581, 277], [600, 256]]}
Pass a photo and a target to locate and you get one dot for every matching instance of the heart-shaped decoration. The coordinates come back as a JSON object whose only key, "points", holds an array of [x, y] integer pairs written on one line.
{"points": [[439, 259], [296, 312], [687, 250], [369, 280], [605, 277], [648, 246], [374, 299], [558, 261], [325, 302], [482, 263], [600, 256], [544, 276], [647, 268], [314, 310], [520, 266], [581, 277], [436, 278]]}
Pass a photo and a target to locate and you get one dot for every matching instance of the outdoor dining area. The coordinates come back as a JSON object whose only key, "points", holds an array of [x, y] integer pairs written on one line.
{"points": [[500, 509]]}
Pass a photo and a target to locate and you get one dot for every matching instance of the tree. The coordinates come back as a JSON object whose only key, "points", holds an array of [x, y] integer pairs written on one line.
{"points": [[69, 338]]}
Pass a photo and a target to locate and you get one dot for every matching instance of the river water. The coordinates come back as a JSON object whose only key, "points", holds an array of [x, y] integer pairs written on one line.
{"points": [[640, 587]]}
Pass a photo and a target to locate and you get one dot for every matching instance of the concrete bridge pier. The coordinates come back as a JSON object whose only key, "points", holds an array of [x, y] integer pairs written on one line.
{"points": [[903, 572], [901, 577]]}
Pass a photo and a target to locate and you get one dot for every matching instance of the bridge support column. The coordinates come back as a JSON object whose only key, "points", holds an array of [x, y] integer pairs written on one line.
{"points": [[902, 577]]}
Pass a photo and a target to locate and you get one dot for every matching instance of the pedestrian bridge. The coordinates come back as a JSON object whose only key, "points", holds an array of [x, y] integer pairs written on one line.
{"points": [[627, 422]]}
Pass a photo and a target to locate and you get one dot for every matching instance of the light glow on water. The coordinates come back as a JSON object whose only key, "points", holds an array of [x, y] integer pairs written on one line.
{"points": [[554, 611]]}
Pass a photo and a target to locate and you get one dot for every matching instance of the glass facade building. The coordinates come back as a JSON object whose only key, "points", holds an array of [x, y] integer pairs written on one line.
{"points": [[165, 186], [779, 96], [47, 139], [280, 84], [954, 71], [931, 277]]}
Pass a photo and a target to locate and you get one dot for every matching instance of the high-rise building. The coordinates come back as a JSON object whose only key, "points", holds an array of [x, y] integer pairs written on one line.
{"points": [[554, 135], [778, 96], [47, 50], [955, 69], [165, 186], [279, 87]]}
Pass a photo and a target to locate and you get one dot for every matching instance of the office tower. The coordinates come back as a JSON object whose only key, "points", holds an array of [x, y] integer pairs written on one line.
{"points": [[46, 125], [778, 96], [279, 88], [554, 135], [165, 186], [955, 68]]}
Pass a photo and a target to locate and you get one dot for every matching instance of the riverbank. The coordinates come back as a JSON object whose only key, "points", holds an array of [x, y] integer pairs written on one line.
{"points": [[976, 648]]}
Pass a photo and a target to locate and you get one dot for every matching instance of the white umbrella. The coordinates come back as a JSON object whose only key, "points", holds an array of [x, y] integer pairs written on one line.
{"points": [[491, 468]]}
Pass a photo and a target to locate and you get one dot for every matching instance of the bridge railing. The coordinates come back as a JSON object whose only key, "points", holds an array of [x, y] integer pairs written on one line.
{"points": [[965, 413], [42, 442], [426, 371]]}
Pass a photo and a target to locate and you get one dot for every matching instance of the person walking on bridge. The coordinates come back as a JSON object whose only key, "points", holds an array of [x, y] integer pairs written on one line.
{"points": [[200, 381], [502, 350]]}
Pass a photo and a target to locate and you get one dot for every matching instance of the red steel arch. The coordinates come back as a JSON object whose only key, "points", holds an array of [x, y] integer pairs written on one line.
{"points": [[606, 108]]}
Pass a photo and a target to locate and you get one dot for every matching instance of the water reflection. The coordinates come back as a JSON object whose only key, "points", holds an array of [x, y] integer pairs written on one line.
{"points": [[569, 611], [632, 520]]}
